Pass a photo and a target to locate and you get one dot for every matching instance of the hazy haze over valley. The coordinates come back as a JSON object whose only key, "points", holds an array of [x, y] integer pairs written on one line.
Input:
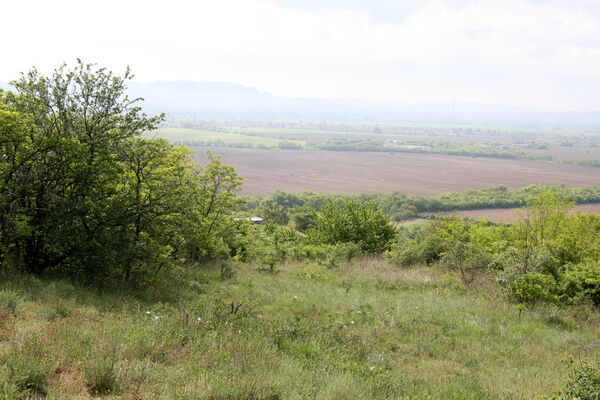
{"points": [[544, 55]]}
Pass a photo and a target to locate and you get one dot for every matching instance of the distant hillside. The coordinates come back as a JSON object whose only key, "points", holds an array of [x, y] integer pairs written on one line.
{"points": [[188, 99], [182, 99]]}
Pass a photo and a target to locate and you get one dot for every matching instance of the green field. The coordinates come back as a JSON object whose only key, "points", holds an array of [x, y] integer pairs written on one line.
{"points": [[296, 131], [365, 330], [223, 139]]}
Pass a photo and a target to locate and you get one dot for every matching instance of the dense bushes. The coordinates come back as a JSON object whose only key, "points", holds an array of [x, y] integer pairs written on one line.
{"points": [[401, 207], [583, 383], [546, 255], [84, 194], [354, 222]]}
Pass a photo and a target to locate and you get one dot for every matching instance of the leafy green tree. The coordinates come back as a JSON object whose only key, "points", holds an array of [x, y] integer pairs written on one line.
{"points": [[303, 217], [211, 218], [80, 120], [538, 225], [82, 192], [356, 222]]}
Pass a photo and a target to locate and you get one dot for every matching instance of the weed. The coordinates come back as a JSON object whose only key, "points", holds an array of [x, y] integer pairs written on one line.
{"points": [[9, 302], [47, 313], [102, 372], [26, 374]]}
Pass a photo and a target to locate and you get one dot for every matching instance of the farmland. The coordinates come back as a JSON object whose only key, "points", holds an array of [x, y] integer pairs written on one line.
{"points": [[349, 172], [219, 139], [507, 214]]}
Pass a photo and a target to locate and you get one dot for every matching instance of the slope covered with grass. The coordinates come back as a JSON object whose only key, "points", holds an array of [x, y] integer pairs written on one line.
{"points": [[366, 329]]}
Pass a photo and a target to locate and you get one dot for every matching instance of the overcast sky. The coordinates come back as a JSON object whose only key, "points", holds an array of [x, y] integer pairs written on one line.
{"points": [[543, 54]]}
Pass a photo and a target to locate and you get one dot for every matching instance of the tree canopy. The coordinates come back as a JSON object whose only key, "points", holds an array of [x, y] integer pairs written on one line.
{"points": [[83, 191]]}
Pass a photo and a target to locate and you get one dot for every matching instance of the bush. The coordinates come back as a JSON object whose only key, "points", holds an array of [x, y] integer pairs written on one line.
{"points": [[405, 253], [582, 281], [102, 372], [47, 313], [9, 302], [26, 374], [351, 221], [583, 383], [529, 289]]}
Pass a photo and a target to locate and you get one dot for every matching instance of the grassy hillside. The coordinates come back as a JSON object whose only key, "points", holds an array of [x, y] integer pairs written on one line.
{"points": [[366, 329]]}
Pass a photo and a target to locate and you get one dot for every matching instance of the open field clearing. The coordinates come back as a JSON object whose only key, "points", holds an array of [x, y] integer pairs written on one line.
{"points": [[348, 172], [225, 138], [507, 214], [568, 153], [366, 330]]}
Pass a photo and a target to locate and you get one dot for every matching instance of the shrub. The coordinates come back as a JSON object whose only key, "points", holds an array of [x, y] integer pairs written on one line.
{"points": [[47, 313], [102, 372], [406, 253], [351, 221], [582, 281], [529, 289], [583, 383], [26, 374], [9, 301]]}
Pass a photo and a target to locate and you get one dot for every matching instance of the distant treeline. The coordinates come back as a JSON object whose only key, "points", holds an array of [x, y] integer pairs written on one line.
{"points": [[282, 207], [489, 150], [449, 148]]}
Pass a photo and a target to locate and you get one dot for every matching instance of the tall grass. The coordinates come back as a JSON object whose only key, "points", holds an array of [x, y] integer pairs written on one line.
{"points": [[364, 329]]}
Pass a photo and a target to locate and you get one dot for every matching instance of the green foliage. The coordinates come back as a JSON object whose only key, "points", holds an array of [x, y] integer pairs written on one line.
{"points": [[582, 282], [354, 222], [102, 372], [83, 194], [528, 289], [303, 217], [47, 313], [544, 255], [401, 207], [9, 301], [211, 225], [26, 374], [583, 383]]}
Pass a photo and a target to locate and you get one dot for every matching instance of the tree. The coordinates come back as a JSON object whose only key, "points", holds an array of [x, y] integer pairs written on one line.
{"points": [[79, 121], [538, 225], [211, 217], [81, 191], [353, 221]]}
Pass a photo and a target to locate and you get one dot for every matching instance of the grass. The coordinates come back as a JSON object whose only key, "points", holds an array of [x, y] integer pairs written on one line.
{"points": [[364, 330], [307, 131], [222, 139]]}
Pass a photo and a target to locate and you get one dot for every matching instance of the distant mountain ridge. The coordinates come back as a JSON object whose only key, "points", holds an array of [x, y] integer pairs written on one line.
{"points": [[215, 100], [183, 99]]}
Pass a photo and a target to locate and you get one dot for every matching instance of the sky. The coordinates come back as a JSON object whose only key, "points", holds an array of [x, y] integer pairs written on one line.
{"points": [[533, 53]]}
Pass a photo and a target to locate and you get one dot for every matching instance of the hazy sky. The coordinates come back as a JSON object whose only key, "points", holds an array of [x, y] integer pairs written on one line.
{"points": [[544, 54]]}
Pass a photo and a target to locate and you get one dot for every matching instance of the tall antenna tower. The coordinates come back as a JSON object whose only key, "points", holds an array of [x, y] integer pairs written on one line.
{"points": [[454, 109]]}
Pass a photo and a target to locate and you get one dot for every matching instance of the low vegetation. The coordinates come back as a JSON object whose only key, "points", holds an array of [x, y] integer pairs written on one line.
{"points": [[362, 329], [280, 207], [128, 272]]}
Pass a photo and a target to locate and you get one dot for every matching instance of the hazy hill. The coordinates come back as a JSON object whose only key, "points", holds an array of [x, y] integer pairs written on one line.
{"points": [[187, 99], [218, 99]]}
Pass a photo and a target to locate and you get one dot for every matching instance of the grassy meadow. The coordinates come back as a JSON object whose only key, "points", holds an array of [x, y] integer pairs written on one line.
{"points": [[363, 330], [222, 139]]}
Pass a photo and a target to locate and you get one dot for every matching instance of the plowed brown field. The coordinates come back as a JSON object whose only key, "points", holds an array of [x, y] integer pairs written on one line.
{"points": [[506, 214], [413, 174]]}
